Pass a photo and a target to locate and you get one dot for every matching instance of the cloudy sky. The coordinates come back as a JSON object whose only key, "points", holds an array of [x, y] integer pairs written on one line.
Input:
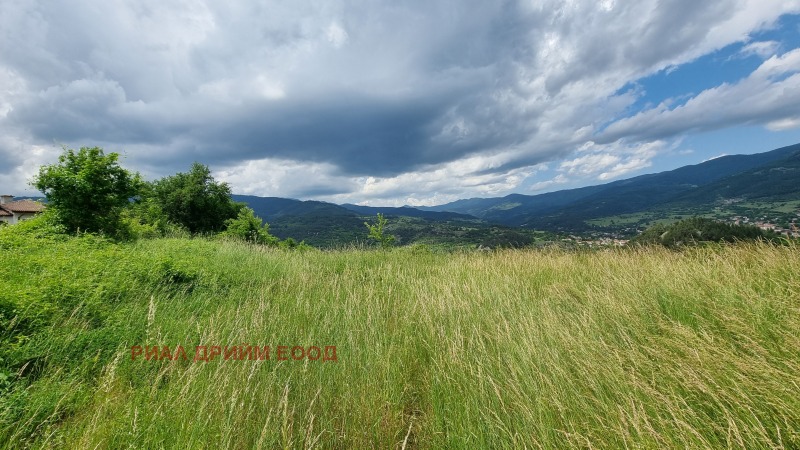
{"points": [[397, 102]]}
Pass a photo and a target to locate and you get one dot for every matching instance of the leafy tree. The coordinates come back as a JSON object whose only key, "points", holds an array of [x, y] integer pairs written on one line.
{"points": [[87, 189], [195, 201], [247, 226], [377, 232]]}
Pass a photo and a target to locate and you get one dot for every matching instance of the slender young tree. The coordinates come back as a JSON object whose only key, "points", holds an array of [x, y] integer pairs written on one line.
{"points": [[377, 232]]}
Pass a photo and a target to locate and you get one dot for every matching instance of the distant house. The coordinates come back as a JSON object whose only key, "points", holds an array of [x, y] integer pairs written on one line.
{"points": [[12, 212]]}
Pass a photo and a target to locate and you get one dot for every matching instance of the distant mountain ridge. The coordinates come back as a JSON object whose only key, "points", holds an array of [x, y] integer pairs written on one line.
{"points": [[618, 197], [328, 225], [690, 190], [407, 211], [271, 208], [777, 180]]}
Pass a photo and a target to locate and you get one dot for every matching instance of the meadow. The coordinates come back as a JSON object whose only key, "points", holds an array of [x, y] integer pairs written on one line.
{"points": [[618, 348]]}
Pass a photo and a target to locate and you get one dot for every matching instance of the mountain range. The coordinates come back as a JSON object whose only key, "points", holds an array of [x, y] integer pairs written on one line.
{"points": [[757, 186]]}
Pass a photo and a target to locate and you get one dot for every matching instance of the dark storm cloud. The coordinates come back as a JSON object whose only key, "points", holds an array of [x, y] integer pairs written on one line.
{"points": [[361, 135]]}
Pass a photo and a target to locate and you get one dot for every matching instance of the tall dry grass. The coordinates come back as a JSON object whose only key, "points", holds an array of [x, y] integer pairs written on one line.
{"points": [[629, 348]]}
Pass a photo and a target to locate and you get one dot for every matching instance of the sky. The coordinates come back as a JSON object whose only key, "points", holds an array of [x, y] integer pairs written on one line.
{"points": [[396, 102]]}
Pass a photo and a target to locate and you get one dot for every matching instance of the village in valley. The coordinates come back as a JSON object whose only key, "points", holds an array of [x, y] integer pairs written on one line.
{"points": [[765, 224]]}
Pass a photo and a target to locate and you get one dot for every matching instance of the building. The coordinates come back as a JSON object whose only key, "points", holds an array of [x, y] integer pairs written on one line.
{"points": [[12, 211]]}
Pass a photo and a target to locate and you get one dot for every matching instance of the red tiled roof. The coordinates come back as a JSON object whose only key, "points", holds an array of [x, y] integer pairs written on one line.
{"points": [[3, 212], [23, 206]]}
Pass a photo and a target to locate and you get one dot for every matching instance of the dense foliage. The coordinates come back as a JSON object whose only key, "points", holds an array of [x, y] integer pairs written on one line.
{"points": [[697, 230], [87, 190], [247, 227], [195, 200]]}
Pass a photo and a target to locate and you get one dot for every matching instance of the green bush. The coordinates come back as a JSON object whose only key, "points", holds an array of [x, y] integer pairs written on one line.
{"points": [[43, 228], [248, 227]]}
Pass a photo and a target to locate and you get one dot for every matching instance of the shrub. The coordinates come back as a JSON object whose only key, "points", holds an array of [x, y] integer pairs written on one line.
{"points": [[248, 227]]}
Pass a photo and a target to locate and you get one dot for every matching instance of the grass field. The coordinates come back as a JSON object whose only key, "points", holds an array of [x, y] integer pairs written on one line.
{"points": [[637, 348]]}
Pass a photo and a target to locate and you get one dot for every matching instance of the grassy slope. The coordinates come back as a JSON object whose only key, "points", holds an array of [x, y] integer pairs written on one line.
{"points": [[645, 348]]}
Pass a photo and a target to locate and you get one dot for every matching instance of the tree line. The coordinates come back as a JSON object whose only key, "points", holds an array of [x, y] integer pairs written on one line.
{"points": [[88, 191]]}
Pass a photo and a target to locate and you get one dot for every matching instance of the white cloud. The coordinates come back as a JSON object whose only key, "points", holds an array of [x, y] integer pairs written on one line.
{"points": [[12, 86], [784, 124], [441, 184], [762, 49], [336, 35], [284, 178], [589, 164], [24, 165], [623, 168], [431, 99], [549, 184], [770, 95], [429, 186], [606, 162]]}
